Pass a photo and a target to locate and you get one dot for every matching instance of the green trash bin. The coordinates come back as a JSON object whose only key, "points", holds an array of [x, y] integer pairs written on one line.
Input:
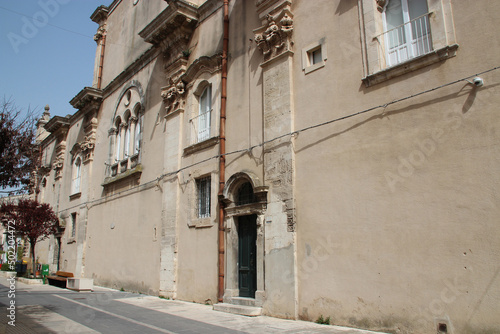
{"points": [[45, 272]]}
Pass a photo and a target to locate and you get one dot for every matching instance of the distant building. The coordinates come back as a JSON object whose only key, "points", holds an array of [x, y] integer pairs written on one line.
{"points": [[346, 164]]}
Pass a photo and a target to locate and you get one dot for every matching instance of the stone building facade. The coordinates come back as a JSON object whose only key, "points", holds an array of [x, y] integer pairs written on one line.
{"points": [[338, 158]]}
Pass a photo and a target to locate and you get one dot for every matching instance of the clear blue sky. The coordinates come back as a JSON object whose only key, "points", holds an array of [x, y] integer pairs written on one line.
{"points": [[47, 51]]}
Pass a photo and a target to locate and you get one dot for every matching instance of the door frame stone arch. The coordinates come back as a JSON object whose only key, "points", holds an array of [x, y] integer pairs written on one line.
{"points": [[232, 212]]}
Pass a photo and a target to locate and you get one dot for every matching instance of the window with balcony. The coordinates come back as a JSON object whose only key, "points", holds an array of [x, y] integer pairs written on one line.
{"points": [[406, 30], [202, 120], [77, 175], [401, 36]]}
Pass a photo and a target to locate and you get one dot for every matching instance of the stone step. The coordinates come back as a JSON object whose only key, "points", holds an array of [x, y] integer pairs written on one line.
{"points": [[249, 311], [242, 301]]}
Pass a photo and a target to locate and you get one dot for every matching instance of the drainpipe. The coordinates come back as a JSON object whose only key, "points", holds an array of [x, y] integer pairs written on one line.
{"points": [[101, 61], [222, 148]]}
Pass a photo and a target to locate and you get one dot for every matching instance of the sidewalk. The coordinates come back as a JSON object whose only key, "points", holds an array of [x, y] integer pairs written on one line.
{"points": [[113, 304]]}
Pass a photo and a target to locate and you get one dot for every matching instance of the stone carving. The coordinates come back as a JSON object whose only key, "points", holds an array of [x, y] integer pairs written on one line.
{"points": [[101, 31], [174, 95], [381, 4], [276, 36], [57, 166], [88, 143]]}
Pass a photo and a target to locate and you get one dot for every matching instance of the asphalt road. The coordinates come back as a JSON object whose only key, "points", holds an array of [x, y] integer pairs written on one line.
{"points": [[48, 309]]}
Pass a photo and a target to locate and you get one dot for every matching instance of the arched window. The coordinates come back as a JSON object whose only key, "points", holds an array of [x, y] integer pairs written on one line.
{"points": [[138, 129], [137, 136], [205, 107], [126, 144], [77, 174], [117, 145], [125, 137]]}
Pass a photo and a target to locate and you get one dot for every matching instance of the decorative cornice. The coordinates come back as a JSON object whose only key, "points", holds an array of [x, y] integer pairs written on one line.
{"points": [[57, 123], [87, 97], [100, 14], [265, 7], [178, 14]]}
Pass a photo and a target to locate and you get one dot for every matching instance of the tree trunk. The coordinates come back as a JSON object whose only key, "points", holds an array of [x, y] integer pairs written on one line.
{"points": [[33, 264]]}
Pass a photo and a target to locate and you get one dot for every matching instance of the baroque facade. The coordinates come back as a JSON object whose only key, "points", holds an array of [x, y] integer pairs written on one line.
{"points": [[299, 158]]}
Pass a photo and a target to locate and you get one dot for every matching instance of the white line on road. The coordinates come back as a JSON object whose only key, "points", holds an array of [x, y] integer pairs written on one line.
{"points": [[117, 315]]}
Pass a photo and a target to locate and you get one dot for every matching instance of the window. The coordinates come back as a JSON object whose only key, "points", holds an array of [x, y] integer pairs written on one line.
{"points": [[73, 225], [126, 145], [125, 137], [138, 135], [203, 190], [77, 171], [118, 141], [410, 33], [406, 30], [314, 56], [204, 114]]}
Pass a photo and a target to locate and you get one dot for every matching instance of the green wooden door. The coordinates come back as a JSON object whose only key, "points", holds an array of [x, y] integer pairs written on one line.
{"points": [[247, 255]]}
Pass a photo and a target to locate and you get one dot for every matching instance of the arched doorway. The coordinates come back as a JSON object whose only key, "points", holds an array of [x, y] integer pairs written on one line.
{"points": [[246, 202]]}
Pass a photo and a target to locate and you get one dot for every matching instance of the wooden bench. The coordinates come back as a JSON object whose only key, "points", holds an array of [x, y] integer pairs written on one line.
{"points": [[59, 279]]}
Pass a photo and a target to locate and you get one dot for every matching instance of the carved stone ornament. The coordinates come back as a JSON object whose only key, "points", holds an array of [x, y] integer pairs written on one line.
{"points": [[87, 144], [57, 166], [381, 4], [101, 31], [174, 95], [275, 37]]}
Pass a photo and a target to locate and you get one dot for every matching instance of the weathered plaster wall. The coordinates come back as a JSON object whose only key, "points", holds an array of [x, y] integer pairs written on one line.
{"points": [[397, 208], [124, 44]]}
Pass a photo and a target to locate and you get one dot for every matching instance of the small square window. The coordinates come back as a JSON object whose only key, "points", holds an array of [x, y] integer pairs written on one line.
{"points": [[314, 56]]}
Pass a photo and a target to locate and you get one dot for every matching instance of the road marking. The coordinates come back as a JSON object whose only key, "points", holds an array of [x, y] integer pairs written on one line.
{"points": [[117, 315]]}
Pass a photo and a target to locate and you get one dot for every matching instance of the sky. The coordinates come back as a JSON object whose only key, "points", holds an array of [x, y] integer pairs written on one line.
{"points": [[47, 52]]}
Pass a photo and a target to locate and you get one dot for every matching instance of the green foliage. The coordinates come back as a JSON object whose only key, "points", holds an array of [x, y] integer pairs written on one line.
{"points": [[323, 321], [6, 267]]}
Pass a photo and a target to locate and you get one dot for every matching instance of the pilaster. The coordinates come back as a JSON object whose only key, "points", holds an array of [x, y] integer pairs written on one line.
{"points": [[274, 39]]}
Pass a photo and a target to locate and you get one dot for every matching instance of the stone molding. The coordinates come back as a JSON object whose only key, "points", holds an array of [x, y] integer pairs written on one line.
{"points": [[411, 65], [87, 98], [274, 37], [172, 29]]}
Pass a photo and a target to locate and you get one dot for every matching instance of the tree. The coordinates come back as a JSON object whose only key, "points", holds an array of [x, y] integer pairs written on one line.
{"points": [[18, 154], [33, 220]]}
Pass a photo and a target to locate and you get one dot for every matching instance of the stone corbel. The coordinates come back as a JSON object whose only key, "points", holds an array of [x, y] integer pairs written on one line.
{"points": [[174, 95], [275, 36], [101, 31], [57, 166]]}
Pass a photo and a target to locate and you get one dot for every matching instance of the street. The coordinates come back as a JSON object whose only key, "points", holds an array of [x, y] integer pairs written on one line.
{"points": [[48, 309]]}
